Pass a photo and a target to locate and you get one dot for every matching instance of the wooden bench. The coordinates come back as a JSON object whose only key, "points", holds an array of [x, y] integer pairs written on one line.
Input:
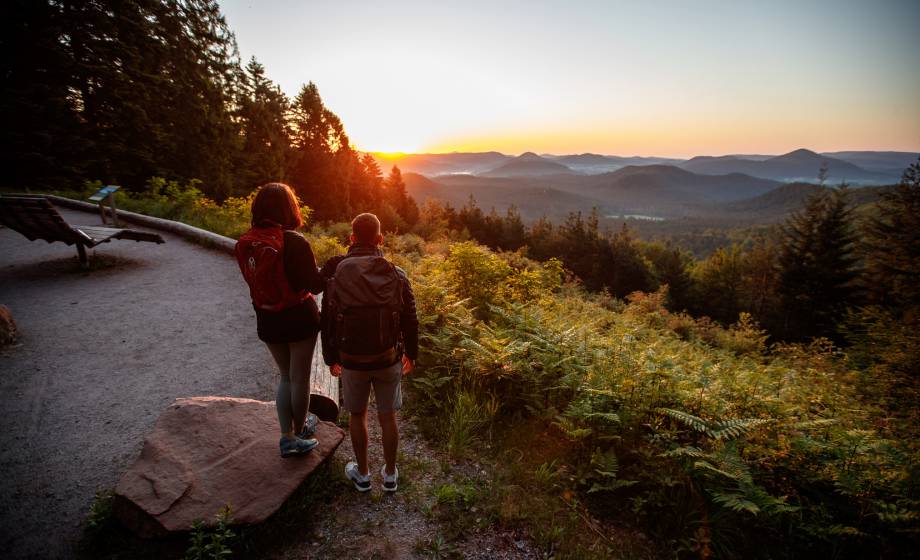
{"points": [[36, 218]]}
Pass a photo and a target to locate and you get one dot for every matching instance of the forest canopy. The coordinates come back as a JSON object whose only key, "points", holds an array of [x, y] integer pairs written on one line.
{"points": [[124, 91]]}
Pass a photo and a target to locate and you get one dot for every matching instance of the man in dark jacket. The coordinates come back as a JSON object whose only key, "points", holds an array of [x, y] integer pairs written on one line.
{"points": [[384, 371]]}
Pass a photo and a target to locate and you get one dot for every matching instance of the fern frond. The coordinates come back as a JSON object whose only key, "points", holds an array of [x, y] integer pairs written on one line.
{"points": [[688, 452], [731, 429], [735, 502], [608, 416], [689, 420], [709, 467], [818, 423]]}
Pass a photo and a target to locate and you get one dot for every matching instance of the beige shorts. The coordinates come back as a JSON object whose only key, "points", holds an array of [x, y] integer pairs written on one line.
{"points": [[387, 383]]}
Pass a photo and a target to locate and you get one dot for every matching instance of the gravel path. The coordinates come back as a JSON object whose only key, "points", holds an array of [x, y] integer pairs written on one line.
{"points": [[101, 353]]}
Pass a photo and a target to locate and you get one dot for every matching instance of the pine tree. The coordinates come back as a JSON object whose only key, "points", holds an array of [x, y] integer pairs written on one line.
{"points": [[891, 246], [322, 156], [670, 267], [41, 138], [395, 193], [263, 120], [759, 282], [720, 284], [514, 232], [625, 271], [887, 330], [817, 266]]}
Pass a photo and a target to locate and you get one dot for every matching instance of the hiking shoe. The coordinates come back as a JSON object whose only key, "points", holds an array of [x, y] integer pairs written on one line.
{"points": [[309, 426], [389, 482], [362, 481], [293, 446]]}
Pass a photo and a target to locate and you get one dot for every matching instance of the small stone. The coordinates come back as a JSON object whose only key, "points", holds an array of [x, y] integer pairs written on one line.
{"points": [[8, 332]]}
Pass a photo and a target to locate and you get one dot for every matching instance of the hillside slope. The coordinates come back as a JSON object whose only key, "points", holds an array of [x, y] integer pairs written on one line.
{"points": [[797, 165]]}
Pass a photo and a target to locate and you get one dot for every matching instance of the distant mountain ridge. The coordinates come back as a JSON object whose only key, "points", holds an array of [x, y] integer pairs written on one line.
{"points": [[856, 167], [527, 164], [661, 190], [798, 165], [665, 187]]}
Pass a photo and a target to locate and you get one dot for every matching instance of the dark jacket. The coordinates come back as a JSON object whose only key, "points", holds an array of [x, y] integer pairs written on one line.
{"points": [[408, 319], [300, 321]]}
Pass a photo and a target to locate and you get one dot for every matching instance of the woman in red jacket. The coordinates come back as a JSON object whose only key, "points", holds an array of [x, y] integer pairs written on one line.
{"points": [[280, 268]]}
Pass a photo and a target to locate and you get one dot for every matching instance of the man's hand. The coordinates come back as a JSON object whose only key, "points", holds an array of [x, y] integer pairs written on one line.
{"points": [[407, 365], [335, 370]]}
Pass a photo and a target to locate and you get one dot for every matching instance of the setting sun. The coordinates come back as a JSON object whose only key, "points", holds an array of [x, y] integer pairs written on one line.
{"points": [[666, 78]]}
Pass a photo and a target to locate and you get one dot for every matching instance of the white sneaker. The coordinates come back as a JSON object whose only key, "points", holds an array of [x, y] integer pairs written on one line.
{"points": [[362, 481], [389, 482]]}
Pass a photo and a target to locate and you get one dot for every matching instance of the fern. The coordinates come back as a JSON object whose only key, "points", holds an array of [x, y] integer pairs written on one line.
{"points": [[687, 452], [724, 429], [606, 466], [570, 429], [817, 423], [735, 502], [732, 429], [694, 422]]}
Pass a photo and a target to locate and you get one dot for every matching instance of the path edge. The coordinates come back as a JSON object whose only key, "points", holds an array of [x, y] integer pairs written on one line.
{"points": [[196, 235]]}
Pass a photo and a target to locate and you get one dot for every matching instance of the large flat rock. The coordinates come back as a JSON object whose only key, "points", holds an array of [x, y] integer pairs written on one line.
{"points": [[207, 452]]}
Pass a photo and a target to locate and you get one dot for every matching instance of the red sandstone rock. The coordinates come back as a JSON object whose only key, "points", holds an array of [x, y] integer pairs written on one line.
{"points": [[206, 452], [7, 327]]}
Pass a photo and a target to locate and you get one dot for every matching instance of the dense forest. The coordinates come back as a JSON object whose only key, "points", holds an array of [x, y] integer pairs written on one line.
{"points": [[125, 91], [680, 361]]}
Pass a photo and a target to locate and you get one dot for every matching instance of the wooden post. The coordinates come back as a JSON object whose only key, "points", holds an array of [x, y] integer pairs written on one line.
{"points": [[111, 199], [324, 389], [84, 261]]}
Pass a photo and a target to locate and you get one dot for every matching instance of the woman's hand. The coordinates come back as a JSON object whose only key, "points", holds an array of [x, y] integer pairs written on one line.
{"points": [[407, 365], [335, 370]]}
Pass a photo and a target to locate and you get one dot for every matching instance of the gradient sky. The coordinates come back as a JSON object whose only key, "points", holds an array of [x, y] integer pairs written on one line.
{"points": [[669, 78]]}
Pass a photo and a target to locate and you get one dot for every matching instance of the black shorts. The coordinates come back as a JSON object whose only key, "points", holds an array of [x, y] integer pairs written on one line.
{"points": [[288, 325]]}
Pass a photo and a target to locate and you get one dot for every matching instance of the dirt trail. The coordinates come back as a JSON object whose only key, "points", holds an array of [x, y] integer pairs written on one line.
{"points": [[103, 352]]}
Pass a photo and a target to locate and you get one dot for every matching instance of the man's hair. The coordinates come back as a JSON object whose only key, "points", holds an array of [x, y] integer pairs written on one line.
{"points": [[366, 228], [276, 204]]}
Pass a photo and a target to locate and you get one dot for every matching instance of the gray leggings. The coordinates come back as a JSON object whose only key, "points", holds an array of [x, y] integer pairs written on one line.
{"points": [[293, 397]]}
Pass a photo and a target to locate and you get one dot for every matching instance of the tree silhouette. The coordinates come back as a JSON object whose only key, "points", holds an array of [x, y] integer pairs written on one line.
{"points": [[816, 266]]}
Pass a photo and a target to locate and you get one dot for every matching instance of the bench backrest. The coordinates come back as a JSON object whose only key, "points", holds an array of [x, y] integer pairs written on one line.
{"points": [[36, 218]]}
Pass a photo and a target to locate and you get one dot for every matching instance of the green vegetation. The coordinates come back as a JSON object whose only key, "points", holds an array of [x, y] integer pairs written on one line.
{"points": [[212, 543], [122, 91], [703, 436], [759, 402], [599, 414]]}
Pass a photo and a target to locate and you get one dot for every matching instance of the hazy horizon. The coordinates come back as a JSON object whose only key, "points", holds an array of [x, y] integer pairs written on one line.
{"points": [[627, 154], [672, 79]]}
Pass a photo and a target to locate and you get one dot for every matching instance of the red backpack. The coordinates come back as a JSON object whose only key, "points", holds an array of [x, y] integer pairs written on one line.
{"points": [[260, 254]]}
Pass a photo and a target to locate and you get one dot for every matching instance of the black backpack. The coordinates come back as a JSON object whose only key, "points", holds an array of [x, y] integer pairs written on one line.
{"points": [[365, 300]]}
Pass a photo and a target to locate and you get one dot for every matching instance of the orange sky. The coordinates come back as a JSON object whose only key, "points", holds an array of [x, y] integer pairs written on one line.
{"points": [[668, 78]]}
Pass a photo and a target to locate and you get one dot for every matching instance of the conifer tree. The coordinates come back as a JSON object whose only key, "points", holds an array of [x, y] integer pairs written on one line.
{"points": [[887, 330], [817, 266], [719, 284], [891, 246], [317, 137], [263, 120], [398, 197]]}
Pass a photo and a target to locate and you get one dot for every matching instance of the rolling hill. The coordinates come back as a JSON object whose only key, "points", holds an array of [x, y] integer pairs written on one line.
{"points": [[596, 163], [891, 163], [442, 164], [532, 199], [798, 165], [527, 165], [671, 189], [659, 190]]}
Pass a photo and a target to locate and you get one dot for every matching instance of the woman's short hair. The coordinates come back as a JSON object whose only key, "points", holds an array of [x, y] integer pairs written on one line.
{"points": [[276, 204], [365, 227]]}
